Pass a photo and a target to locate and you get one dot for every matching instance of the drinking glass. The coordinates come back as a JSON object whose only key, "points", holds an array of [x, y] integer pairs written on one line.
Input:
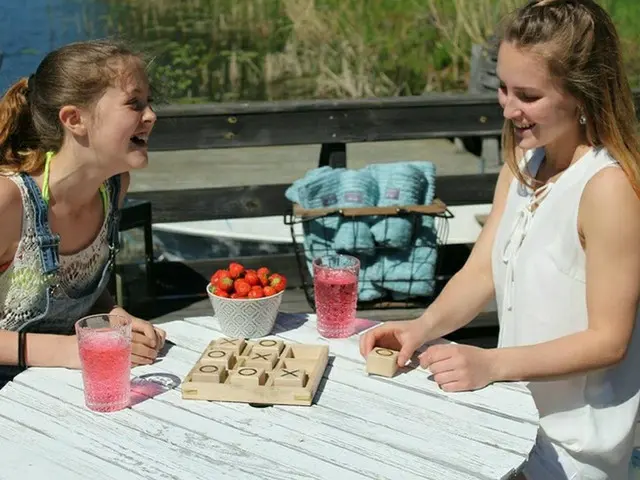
{"points": [[104, 344], [335, 281]]}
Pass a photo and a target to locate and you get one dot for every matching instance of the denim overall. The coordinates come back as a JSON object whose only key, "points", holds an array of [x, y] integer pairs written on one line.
{"points": [[63, 308]]}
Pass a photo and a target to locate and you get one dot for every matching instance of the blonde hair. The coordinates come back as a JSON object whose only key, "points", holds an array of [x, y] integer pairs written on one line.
{"points": [[76, 74], [579, 41]]}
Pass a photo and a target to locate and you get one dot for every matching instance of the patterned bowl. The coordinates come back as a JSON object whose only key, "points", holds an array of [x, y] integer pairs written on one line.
{"points": [[246, 318]]}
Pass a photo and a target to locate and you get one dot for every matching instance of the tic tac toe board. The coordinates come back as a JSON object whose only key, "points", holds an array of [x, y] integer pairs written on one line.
{"points": [[267, 371]]}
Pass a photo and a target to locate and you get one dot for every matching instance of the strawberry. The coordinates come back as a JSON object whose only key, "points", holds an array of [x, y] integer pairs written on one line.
{"points": [[237, 295], [252, 278], [257, 288], [255, 294], [268, 291], [225, 283], [221, 293], [235, 270], [241, 287], [219, 273], [263, 271], [278, 282], [264, 279]]}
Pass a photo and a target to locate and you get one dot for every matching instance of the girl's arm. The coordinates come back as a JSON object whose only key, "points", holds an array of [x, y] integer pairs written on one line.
{"points": [[609, 220], [471, 288], [41, 350]]}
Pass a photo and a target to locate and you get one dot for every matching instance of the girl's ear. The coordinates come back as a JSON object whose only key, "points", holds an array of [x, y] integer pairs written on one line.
{"points": [[72, 119]]}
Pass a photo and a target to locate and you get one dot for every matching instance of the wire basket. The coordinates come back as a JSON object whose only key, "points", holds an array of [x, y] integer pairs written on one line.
{"points": [[398, 249]]}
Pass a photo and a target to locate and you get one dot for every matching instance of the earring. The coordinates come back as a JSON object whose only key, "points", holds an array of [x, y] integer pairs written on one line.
{"points": [[582, 119]]}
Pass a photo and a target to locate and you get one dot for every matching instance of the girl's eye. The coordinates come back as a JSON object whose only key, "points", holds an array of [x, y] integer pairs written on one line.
{"points": [[528, 98], [139, 105]]}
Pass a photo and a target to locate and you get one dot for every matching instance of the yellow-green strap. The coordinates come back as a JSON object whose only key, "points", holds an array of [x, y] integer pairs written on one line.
{"points": [[45, 185]]}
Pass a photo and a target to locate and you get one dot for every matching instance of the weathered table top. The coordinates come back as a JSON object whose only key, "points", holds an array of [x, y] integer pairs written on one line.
{"points": [[359, 426]]}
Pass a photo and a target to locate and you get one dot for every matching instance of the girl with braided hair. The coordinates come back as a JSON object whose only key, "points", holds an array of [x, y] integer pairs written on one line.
{"points": [[560, 252]]}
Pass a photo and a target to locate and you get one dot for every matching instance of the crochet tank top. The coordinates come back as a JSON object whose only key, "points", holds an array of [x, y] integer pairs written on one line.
{"points": [[42, 291]]}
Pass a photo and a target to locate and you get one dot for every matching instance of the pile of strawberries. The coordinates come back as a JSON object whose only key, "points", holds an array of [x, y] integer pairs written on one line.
{"points": [[238, 282]]}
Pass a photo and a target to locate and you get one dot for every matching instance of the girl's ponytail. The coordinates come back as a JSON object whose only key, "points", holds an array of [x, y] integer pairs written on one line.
{"points": [[18, 139]]}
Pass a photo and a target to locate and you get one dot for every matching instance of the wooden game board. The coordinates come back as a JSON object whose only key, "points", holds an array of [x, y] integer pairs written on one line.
{"points": [[266, 371]]}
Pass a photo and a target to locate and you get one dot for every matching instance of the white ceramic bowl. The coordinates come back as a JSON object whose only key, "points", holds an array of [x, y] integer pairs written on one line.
{"points": [[246, 318]]}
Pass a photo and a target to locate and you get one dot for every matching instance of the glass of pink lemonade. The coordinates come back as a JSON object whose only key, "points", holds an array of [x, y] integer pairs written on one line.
{"points": [[104, 344], [335, 282]]}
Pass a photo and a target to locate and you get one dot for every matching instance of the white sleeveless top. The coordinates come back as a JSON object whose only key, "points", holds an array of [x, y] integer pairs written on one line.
{"points": [[540, 285]]}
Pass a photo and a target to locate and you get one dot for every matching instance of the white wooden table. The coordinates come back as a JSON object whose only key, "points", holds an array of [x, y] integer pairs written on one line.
{"points": [[359, 426]]}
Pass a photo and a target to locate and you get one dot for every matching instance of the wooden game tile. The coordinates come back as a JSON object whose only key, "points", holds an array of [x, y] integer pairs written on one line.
{"points": [[266, 360], [310, 352], [268, 345], [235, 345], [223, 358], [209, 373], [248, 377], [298, 364], [289, 377], [382, 361]]}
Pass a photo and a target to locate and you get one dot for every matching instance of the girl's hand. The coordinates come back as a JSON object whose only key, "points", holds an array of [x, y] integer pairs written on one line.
{"points": [[456, 368], [404, 336], [146, 340]]}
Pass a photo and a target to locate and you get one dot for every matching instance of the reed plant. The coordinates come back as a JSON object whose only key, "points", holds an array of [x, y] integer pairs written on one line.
{"points": [[240, 50]]}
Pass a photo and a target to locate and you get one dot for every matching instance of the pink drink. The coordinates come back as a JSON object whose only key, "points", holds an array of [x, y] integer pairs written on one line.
{"points": [[106, 367], [336, 295], [104, 345]]}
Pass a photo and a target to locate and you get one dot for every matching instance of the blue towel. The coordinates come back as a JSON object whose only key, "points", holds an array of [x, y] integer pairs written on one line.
{"points": [[408, 274], [317, 189], [357, 189], [426, 234], [399, 184], [411, 272], [367, 290]]}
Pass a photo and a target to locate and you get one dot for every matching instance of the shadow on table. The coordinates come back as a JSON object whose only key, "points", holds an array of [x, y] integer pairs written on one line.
{"points": [[289, 321], [323, 380], [150, 385]]}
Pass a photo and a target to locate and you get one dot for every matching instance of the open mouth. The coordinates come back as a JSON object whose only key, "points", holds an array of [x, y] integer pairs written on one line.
{"points": [[140, 140], [523, 127]]}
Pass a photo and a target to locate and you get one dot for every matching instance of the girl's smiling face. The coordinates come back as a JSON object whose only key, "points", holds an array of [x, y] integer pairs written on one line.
{"points": [[121, 123], [541, 112]]}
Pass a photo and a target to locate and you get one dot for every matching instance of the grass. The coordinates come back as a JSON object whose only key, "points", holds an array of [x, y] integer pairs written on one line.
{"points": [[233, 50]]}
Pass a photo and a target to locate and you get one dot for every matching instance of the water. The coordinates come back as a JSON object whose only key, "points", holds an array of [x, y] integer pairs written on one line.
{"points": [[29, 29]]}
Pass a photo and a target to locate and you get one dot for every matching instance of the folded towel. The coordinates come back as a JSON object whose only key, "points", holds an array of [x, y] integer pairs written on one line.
{"points": [[357, 189], [428, 169], [410, 273], [399, 184], [367, 290], [426, 235], [317, 189]]}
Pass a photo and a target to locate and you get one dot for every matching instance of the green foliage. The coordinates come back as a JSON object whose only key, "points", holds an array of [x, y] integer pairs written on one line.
{"points": [[235, 50]]}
